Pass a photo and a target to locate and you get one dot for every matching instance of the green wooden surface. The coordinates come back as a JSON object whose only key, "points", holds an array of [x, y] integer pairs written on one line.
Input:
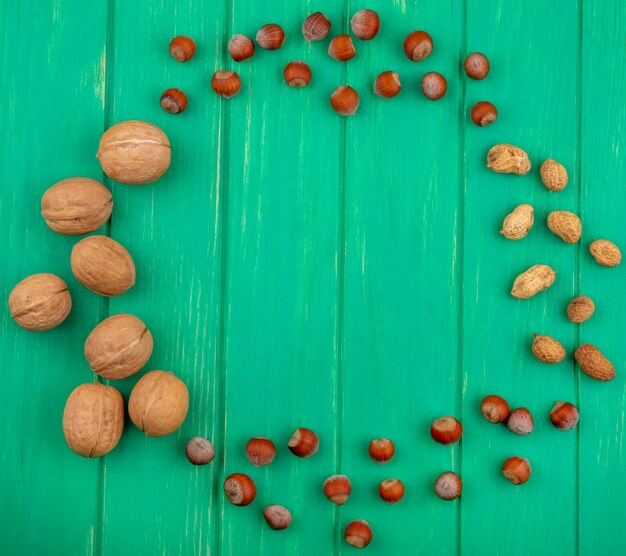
{"points": [[299, 269]]}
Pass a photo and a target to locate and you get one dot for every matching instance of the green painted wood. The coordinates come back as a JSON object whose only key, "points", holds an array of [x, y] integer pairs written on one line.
{"points": [[603, 176], [300, 269], [48, 498]]}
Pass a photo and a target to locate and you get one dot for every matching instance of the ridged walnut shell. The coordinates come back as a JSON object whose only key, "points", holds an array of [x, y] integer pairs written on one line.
{"points": [[103, 266], [593, 363], [536, 279], [508, 159], [134, 152], [40, 302], [553, 175], [158, 403], [580, 309], [519, 222], [76, 206], [93, 419], [118, 347], [605, 252], [547, 349], [566, 225]]}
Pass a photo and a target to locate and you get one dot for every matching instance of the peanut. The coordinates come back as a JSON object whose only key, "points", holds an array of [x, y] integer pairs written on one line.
{"points": [[536, 279], [518, 223], [566, 225], [508, 159], [593, 363]]}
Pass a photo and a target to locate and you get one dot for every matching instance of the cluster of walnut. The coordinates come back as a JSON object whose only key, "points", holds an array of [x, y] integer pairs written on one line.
{"points": [[510, 159], [130, 152]]}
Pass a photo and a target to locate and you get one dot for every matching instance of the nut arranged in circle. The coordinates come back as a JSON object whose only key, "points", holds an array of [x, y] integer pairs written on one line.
{"points": [[158, 403], [40, 302], [118, 347], [76, 206], [103, 266], [93, 419], [134, 152]]}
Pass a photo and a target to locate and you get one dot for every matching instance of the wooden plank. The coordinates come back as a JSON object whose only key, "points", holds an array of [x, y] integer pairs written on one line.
{"points": [[281, 292], [603, 175], [155, 501], [53, 107], [532, 47], [401, 322]]}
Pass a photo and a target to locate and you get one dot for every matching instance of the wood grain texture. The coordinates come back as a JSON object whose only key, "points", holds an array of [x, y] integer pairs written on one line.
{"points": [[300, 269]]}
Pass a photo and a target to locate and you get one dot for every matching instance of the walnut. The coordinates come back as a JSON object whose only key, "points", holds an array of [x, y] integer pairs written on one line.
{"points": [[158, 403], [118, 347], [93, 419], [103, 266], [40, 302], [76, 206], [134, 152]]}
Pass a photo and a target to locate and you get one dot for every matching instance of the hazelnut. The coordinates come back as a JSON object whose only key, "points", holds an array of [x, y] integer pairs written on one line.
{"points": [[158, 403], [494, 408], [40, 302], [381, 450], [277, 517], [547, 349], [605, 252], [446, 430], [516, 469], [365, 24], [134, 152], [387, 84], [260, 451], [553, 175], [240, 489], [174, 101], [520, 421], [580, 309], [418, 46], [240, 48], [93, 419], [226, 83], [199, 451], [297, 74], [391, 491], [476, 66], [118, 347], [484, 113], [76, 206], [434, 85], [303, 443], [270, 36], [345, 100], [358, 533], [564, 415], [337, 489], [448, 486], [316, 27], [103, 266], [182, 48], [341, 48]]}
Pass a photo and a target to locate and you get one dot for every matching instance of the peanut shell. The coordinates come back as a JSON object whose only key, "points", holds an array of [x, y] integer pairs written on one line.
{"points": [[103, 266], [158, 403], [508, 159], [536, 279], [40, 302], [580, 309], [605, 252], [93, 419], [134, 152], [593, 363], [118, 347], [547, 349], [553, 175], [566, 225], [76, 206], [518, 223]]}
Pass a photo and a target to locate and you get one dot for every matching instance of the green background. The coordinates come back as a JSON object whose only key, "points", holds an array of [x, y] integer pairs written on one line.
{"points": [[300, 269]]}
